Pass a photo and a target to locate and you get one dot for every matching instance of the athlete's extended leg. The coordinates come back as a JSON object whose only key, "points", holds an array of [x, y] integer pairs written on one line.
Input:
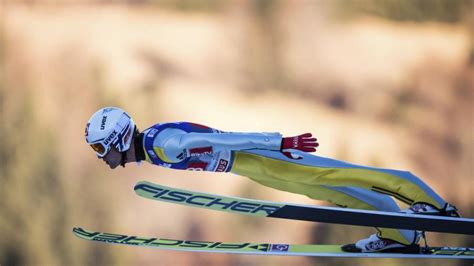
{"points": [[316, 170], [381, 203], [351, 197]]}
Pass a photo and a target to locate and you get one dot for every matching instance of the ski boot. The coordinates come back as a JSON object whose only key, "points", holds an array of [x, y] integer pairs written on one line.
{"points": [[374, 243]]}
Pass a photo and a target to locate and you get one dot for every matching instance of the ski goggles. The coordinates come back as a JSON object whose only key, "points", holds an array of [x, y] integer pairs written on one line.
{"points": [[104, 146], [100, 149]]}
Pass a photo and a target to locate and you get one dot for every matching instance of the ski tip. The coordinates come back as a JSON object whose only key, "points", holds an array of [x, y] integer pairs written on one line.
{"points": [[77, 230], [140, 184]]}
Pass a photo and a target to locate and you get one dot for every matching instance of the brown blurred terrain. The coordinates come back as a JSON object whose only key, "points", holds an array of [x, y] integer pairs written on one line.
{"points": [[382, 83]]}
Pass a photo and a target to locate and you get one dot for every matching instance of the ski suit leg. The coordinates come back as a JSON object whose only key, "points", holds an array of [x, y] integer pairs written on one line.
{"points": [[331, 180], [316, 170], [345, 197], [377, 201]]}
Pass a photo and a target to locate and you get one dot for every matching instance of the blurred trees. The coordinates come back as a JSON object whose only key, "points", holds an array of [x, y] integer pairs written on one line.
{"points": [[36, 205], [30, 184], [451, 11]]}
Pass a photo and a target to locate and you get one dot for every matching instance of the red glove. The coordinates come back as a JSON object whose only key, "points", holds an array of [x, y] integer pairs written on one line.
{"points": [[303, 142]]}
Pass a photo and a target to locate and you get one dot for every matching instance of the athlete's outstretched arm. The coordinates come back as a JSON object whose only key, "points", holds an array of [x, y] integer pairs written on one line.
{"points": [[192, 143]]}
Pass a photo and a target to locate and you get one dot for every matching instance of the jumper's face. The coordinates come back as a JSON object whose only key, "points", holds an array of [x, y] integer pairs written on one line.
{"points": [[113, 158]]}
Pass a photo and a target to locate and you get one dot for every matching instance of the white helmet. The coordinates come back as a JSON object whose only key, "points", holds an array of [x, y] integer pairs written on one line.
{"points": [[109, 126]]}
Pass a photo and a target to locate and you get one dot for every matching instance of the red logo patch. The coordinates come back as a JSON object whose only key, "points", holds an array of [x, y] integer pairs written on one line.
{"points": [[200, 151], [197, 166]]}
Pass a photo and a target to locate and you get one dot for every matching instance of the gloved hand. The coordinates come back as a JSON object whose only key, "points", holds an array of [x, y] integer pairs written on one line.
{"points": [[304, 142]]}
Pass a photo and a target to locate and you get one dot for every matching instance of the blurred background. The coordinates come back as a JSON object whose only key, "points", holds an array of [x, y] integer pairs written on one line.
{"points": [[383, 83]]}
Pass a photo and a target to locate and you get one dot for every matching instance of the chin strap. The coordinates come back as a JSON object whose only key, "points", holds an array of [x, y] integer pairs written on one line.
{"points": [[139, 152], [123, 161], [138, 144]]}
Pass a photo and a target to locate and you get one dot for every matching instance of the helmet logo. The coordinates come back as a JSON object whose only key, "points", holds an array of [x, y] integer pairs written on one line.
{"points": [[102, 125], [110, 138]]}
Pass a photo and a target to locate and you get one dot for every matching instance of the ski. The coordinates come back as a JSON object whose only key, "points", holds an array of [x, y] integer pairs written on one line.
{"points": [[265, 248], [335, 215]]}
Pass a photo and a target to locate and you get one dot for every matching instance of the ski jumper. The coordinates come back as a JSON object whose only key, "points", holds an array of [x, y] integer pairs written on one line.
{"points": [[189, 146]]}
